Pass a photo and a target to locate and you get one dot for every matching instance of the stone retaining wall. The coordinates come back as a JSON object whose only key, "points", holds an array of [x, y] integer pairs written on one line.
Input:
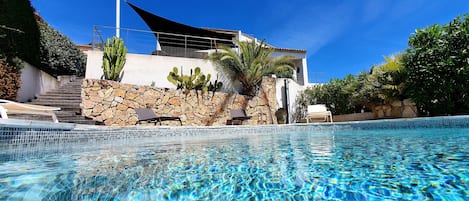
{"points": [[113, 104], [397, 109], [353, 117]]}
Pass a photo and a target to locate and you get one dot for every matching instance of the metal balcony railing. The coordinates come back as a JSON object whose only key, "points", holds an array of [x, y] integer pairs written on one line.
{"points": [[159, 43]]}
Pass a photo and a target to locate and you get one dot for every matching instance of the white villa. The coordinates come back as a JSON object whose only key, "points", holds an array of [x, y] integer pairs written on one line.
{"points": [[182, 46]]}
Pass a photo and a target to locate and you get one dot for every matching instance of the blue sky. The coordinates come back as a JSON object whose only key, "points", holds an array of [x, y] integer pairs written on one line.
{"points": [[341, 36]]}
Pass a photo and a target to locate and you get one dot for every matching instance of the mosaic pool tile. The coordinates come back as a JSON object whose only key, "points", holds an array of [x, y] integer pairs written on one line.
{"points": [[418, 159]]}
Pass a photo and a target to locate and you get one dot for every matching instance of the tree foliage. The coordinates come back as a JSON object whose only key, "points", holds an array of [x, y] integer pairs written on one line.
{"points": [[354, 93], [19, 32], [59, 56], [338, 95], [385, 82], [252, 63], [24, 36], [437, 63]]}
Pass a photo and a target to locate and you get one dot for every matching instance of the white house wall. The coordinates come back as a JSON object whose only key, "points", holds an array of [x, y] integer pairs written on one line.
{"points": [[29, 87], [293, 90], [35, 82], [302, 75], [145, 69]]}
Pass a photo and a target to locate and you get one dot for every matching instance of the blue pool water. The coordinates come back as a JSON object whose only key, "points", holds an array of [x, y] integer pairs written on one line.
{"points": [[402, 164]]}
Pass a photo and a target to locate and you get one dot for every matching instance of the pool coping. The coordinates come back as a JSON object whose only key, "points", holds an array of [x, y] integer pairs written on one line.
{"points": [[446, 121], [17, 133], [460, 120]]}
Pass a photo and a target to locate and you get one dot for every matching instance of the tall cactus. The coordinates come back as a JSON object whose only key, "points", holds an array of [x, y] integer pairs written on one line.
{"points": [[113, 58]]}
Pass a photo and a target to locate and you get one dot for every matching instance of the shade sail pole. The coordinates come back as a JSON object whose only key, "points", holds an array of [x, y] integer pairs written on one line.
{"points": [[118, 17]]}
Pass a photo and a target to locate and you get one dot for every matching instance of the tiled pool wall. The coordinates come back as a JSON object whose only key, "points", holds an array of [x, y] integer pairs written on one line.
{"points": [[18, 135]]}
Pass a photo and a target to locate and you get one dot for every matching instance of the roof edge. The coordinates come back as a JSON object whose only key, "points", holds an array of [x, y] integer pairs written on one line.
{"points": [[278, 49]]}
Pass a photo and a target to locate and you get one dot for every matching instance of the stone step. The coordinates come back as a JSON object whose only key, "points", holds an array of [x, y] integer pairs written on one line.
{"points": [[73, 108], [57, 97], [68, 91], [58, 103], [69, 114], [73, 82], [68, 98], [65, 93], [53, 101], [70, 86], [67, 87]]}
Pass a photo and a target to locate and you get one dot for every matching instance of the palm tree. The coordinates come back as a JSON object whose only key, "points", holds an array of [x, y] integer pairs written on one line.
{"points": [[252, 63]]}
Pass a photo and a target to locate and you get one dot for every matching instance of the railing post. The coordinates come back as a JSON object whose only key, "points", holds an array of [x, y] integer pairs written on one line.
{"points": [[185, 46], [92, 40], [158, 47]]}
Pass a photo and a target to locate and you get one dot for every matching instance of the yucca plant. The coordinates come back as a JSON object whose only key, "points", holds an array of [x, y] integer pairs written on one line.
{"points": [[113, 58]]}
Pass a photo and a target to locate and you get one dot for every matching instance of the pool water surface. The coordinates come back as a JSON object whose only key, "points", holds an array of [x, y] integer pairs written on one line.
{"points": [[400, 164]]}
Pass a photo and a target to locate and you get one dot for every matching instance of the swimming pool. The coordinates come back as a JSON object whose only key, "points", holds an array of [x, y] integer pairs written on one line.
{"points": [[333, 162]]}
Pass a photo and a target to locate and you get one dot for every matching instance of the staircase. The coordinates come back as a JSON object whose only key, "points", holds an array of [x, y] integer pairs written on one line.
{"points": [[68, 98]]}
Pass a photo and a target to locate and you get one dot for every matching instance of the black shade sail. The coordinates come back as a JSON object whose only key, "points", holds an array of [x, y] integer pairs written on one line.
{"points": [[176, 35]]}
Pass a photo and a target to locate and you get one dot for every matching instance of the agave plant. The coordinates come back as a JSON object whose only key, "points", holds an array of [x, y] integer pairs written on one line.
{"points": [[252, 63]]}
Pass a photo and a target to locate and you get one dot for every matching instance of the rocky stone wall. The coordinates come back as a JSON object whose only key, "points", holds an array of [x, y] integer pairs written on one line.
{"points": [[353, 117], [397, 109], [113, 104]]}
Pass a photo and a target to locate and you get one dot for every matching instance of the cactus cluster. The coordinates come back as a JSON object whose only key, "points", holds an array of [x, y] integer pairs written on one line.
{"points": [[215, 86], [195, 80], [113, 58]]}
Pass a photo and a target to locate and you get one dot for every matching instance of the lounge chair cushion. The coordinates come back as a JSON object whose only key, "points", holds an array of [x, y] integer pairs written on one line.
{"points": [[318, 111], [148, 115], [237, 117]]}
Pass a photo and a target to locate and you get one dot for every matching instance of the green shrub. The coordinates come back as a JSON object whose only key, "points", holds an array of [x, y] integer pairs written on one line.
{"points": [[59, 56], [385, 83], [10, 80], [113, 58], [437, 64], [382, 85], [32, 40], [19, 32], [338, 95]]}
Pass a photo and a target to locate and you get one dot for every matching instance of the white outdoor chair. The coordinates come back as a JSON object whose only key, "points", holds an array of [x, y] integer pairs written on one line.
{"points": [[11, 107], [318, 111]]}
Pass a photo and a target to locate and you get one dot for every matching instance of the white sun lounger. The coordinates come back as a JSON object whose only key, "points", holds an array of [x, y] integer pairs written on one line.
{"points": [[11, 107], [318, 111]]}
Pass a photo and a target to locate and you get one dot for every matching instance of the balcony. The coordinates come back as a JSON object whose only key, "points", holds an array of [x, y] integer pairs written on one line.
{"points": [[160, 43]]}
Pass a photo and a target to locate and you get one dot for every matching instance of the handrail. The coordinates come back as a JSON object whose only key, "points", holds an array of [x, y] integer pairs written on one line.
{"points": [[154, 32], [166, 44]]}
